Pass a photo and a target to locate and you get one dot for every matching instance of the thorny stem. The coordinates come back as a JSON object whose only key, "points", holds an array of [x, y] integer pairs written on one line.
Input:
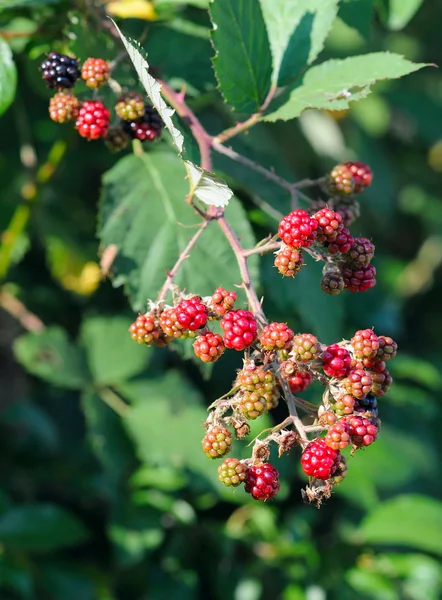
{"points": [[269, 247]]}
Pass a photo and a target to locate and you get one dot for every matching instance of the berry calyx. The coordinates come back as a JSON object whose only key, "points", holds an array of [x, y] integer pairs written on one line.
{"points": [[63, 107], [145, 330], [329, 225], [298, 229], [336, 361], [365, 344], [358, 383], [217, 442], [148, 127], [95, 72], [222, 301], [340, 181], [262, 481], [240, 329], [192, 313], [359, 280], [387, 348], [130, 106], [361, 253], [319, 460], [305, 347], [362, 175], [288, 261], [362, 431], [60, 71], [276, 336], [232, 472], [338, 436], [93, 120], [209, 346], [299, 381]]}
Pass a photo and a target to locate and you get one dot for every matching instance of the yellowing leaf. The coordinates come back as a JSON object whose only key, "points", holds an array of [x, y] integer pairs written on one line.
{"points": [[132, 9]]}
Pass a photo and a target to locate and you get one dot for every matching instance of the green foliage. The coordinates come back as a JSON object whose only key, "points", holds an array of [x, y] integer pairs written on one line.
{"points": [[243, 60], [8, 76]]}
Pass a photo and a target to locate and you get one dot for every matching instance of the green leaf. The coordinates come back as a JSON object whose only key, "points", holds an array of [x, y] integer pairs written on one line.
{"points": [[8, 4], [63, 581], [153, 88], [357, 14], [207, 187], [111, 353], [400, 12], [40, 528], [143, 212], [51, 356], [297, 30], [8, 76], [408, 520], [334, 84], [243, 60]]}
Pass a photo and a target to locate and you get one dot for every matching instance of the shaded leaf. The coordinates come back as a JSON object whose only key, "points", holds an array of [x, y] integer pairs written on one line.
{"points": [[207, 187], [152, 87], [400, 12], [334, 84], [8, 76], [297, 30], [243, 60], [53, 357], [143, 212], [111, 353], [40, 528], [357, 14]]}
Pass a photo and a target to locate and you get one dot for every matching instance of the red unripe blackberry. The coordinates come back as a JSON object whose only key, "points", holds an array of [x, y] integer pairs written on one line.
{"points": [[192, 313], [209, 346], [361, 430], [148, 127], [145, 330], [262, 481], [329, 225], [336, 361], [305, 347], [171, 327], [387, 348], [327, 418], [381, 382], [320, 461], [63, 107], [240, 329], [217, 442], [232, 472], [288, 261], [298, 229], [349, 211], [358, 383], [93, 120], [362, 175], [338, 436], [95, 72], [342, 243], [359, 280], [344, 405], [130, 106], [252, 405], [116, 139], [361, 253], [298, 382], [340, 181], [222, 301], [332, 282], [276, 336], [60, 71], [365, 344]]}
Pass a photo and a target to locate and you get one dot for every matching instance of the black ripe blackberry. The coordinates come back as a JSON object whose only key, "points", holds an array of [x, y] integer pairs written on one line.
{"points": [[60, 71], [147, 127]]}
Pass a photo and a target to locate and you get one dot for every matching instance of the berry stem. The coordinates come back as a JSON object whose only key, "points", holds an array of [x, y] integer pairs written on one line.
{"points": [[269, 247], [18, 310], [289, 398], [182, 257], [112, 400]]}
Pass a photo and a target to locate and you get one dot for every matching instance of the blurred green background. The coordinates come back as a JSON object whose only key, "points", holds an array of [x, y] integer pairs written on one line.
{"points": [[97, 500]]}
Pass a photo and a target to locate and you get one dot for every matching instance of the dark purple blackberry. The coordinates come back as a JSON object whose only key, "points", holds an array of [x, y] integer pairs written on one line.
{"points": [[147, 127], [60, 71], [369, 402]]}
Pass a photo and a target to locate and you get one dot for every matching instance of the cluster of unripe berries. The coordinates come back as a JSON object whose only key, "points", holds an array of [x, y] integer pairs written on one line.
{"points": [[347, 259], [278, 362], [136, 120]]}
